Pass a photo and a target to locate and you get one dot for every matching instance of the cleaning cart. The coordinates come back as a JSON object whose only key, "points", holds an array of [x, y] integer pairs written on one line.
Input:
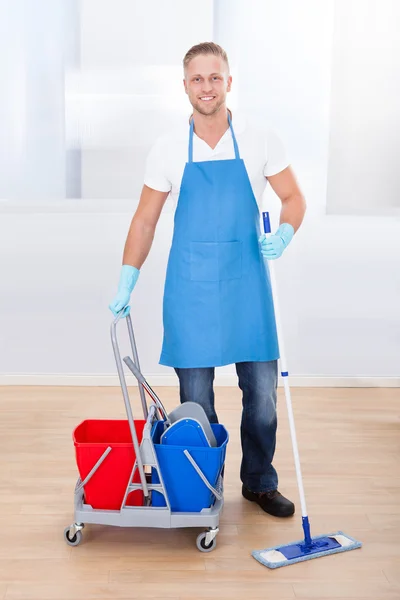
{"points": [[159, 471]]}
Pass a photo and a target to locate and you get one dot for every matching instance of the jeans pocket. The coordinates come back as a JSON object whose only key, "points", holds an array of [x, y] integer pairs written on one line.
{"points": [[215, 261]]}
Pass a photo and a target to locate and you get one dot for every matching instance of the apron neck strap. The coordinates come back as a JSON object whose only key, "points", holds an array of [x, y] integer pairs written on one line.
{"points": [[191, 140], [191, 131], [235, 144]]}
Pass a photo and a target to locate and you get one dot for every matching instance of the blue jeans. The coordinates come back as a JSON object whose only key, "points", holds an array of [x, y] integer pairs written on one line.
{"points": [[258, 382]]}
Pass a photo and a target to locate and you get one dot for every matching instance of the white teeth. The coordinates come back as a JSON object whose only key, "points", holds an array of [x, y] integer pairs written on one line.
{"points": [[207, 98]]}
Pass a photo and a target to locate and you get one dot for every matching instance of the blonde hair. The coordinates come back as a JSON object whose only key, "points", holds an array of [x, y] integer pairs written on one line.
{"points": [[205, 48]]}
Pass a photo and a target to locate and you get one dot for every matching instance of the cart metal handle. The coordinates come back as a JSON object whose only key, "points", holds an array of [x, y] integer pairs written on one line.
{"points": [[130, 364], [201, 475], [125, 394], [135, 355]]}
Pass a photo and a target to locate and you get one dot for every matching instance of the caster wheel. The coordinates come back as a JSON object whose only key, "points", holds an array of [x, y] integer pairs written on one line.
{"points": [[201, 543], [72, 541]]}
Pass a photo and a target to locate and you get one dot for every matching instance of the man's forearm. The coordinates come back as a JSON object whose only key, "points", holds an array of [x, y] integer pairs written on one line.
{"points": [[293, 210], [138, 243]]}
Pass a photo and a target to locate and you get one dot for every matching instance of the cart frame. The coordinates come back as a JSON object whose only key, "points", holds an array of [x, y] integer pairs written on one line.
{"points": [[147, 515]]}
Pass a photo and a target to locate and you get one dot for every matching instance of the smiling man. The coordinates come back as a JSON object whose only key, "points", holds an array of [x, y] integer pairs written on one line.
{"points": [[217, 307]]}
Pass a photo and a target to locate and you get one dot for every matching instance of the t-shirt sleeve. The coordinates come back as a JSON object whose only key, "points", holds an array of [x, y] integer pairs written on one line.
{"points": [[275, 154], [155, 170]]}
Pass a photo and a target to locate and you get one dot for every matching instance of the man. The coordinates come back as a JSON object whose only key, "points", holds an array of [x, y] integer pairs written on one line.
{"points": [[217, 307]]}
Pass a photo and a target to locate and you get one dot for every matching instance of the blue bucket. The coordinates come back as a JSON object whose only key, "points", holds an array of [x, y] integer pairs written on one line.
{"points": [[186, 490]]}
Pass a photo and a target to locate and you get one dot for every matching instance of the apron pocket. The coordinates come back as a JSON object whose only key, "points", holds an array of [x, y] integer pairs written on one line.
{"points": [[215, 261]]}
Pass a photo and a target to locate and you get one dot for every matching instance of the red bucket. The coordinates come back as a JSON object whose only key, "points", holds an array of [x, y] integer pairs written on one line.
{"points": [[106, 488]]}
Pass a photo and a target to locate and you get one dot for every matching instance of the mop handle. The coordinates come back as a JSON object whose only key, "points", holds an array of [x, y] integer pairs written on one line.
{"points": [[285, 372]]}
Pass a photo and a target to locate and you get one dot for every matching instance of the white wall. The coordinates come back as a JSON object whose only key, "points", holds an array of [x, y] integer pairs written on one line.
{"points": [[338, 281], [36, 45], [365, 109], [59, 272]]}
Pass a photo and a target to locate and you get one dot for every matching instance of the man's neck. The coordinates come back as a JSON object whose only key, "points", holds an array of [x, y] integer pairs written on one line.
{"points": [[211, 128]]}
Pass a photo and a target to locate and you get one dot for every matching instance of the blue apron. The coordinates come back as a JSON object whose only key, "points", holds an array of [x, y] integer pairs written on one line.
{"points": [[217, 307]]}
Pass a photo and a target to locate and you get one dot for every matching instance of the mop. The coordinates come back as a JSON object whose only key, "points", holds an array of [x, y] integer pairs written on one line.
{"points": [[309, 547]]}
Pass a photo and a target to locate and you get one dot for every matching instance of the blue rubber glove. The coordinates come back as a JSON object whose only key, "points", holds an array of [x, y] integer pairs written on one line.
{"points": [[272, 247], [127, 281]]}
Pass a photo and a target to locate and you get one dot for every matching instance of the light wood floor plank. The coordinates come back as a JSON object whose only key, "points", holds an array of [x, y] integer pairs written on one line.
{"points": [[350, 450]]}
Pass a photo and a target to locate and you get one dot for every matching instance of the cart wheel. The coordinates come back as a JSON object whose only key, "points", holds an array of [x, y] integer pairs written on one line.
{"points": [[201, 543], [75, 540]]}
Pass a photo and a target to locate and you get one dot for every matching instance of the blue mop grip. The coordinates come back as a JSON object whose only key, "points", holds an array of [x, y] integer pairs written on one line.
{"points": [[267, 224], [307, 534]]}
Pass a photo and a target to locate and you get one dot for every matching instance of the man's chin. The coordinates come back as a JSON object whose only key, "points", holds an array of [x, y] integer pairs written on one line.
{"points": [[207, 111]]}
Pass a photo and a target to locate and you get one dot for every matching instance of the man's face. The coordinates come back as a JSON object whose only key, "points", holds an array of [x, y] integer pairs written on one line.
{"points": [[207, 82]]}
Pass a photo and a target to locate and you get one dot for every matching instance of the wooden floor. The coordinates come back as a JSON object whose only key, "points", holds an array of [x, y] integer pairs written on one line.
{"points": [[350, 449]]}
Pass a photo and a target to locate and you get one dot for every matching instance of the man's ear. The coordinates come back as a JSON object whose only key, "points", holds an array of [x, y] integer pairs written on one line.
{"points": [[228, 89], [184, 85]]}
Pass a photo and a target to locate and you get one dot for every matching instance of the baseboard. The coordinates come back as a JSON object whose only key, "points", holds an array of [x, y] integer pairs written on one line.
{"points": [[222, 380]]}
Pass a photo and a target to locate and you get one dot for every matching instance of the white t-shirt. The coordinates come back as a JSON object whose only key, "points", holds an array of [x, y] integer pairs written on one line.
{"points": [[261, 149]]}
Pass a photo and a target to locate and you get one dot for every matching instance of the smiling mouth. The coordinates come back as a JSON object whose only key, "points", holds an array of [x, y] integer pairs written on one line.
{"points": [[207, 98]]}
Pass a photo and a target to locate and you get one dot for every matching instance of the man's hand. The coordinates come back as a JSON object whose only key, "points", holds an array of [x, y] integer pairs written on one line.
{"points": [[128, 279], [272, 247]]}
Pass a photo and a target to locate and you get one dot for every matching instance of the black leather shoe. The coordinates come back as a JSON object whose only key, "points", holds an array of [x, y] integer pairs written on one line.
{"points": [[272, 503]]}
